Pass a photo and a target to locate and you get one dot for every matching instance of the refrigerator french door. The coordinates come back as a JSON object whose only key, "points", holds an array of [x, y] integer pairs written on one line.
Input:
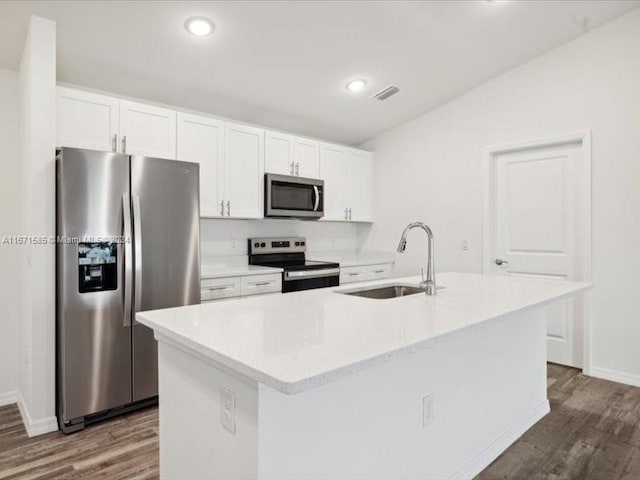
{"points": [[128, 240]]}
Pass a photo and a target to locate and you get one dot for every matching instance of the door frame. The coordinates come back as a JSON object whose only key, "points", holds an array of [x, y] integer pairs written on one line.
{"points": [[583, 139]]}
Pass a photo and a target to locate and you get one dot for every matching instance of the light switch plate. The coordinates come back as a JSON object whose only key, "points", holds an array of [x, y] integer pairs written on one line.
{"points": [[228, 409]]}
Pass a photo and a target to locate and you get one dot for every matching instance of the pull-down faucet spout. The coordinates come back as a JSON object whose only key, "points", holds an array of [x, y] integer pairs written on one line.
{"points": [[429, 281]]}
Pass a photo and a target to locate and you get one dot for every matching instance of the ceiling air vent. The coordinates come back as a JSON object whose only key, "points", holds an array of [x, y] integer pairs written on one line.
{"points": [[386, 92]]}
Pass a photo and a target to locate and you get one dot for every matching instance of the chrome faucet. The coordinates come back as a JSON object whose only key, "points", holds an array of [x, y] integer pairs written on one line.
{"points": [[428, 282]]}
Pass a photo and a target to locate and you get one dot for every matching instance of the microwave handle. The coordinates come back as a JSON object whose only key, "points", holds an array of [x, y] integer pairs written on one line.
{"points": [[317, 194]]}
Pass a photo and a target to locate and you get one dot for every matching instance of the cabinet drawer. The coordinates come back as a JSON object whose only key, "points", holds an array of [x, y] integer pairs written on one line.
{"points": [[353, 274], [215, 288], [258, 284], [377, 272]]}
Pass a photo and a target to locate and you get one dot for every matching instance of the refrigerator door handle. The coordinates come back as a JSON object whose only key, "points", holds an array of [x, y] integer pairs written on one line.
{"points": [[128, 258], [137, 233]]}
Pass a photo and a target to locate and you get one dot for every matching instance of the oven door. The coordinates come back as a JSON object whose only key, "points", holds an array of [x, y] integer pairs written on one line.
{"points": [[295, 281], [297, 197]]}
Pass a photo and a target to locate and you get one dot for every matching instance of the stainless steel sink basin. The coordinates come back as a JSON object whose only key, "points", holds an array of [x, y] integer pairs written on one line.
{"points": [[385, 291]]}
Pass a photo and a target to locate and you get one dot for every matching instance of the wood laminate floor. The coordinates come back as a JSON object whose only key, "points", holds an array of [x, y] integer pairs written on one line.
{"points": [[592, 433]]}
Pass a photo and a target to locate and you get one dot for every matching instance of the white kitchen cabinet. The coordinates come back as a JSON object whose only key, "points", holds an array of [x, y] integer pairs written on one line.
{"points": [[348, 183], [147, 130], [235, 287], [360, 183], [201, 140], [261, 284], [363, 273], [306, 155], [86, 120], [333, 159], [290, 155], [278, 153], [243, 171]]}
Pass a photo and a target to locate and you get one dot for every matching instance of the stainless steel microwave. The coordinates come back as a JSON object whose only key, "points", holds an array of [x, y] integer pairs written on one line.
{"points": [[293, 197]]}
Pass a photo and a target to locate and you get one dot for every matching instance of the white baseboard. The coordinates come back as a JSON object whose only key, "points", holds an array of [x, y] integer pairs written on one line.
{"points": [[614, 376], [35, 427], [8, 398], [484, 458]]}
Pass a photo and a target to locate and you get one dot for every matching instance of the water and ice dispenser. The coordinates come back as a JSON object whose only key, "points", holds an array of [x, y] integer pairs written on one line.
{"points": [[97, 266]]}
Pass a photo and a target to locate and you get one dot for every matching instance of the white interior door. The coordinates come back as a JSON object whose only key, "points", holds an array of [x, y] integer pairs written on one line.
{"points": [[539, 227]]}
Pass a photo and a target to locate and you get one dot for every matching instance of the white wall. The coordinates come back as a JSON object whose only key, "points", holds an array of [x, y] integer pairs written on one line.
{"points": [[218, 236], [37, 151], [429, 169], [10, 224]]}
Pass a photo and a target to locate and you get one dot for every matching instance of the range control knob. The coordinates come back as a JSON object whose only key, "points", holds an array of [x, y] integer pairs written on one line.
{"points": [[263, 244], [302, 243], [297, 244], [256, 244]]}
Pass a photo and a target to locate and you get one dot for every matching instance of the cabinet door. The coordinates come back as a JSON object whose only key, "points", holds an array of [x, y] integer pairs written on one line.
{"points": [[201, 140], [86, 120], [147, 130], [360, 175], [243, 171], [306, 154], [333, 169], [278, 153]]}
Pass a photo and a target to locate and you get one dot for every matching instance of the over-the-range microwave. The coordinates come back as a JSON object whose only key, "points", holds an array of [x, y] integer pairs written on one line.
{"points": [[287, 196]]}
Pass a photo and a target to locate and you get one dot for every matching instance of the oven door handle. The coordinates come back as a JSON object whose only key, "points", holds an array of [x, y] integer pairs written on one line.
{"points": [[306, 274], [317, 194]]}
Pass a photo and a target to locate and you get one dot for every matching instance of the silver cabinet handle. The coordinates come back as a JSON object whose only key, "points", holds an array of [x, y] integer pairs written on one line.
{"points": [[224, 287], [228, 208], [349, 214], [262, 284], [346, 214], [222, 208], [292, 168], [124, 144], [378, 271], [128, 259], [295, 275], [137, 256], [114, 143], [297, 169], [354, 274], [499, 262]]}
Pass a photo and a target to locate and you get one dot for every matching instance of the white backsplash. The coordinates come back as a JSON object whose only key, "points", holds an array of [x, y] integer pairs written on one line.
{"points": [[228, 238]]}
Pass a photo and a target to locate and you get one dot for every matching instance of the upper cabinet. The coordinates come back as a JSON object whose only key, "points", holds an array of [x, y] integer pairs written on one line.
{"points": [[201, 140], [147, 130], [87, 120], [349, 178], [243, 171], [99, 122], [290, 155]]}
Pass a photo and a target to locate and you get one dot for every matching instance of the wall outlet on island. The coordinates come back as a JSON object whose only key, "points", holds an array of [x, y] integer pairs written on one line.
{"points": [[228, 409], [427, 410], [464, 244]]}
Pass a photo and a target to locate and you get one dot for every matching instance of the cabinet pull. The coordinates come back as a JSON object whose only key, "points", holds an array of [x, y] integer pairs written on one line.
{"points": [[354, 274], [115, 143], [349, 214], [292, 168], [228, 208], [346, 216], [124, 144], [378, 271], [297, 169], [222, 208], [262, 284], [224, 287]]}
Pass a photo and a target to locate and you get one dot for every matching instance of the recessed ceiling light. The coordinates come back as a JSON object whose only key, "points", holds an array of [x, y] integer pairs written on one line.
{"points": [[356, 85], [199, 26]]}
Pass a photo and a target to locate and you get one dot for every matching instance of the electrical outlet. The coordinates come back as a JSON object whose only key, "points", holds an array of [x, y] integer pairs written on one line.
{"points": [[234, 243], [427, 410], [228, 409], [464, 244]]}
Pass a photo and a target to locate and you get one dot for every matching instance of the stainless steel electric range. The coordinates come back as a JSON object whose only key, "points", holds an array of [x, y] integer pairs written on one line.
{"points": [[288, 253]]}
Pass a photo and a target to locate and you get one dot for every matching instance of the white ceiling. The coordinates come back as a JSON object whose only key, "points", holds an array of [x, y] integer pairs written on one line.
{"points": [[285, 64]]}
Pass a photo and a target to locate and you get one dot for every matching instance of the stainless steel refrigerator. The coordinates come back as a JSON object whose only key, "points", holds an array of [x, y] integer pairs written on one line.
{"points": [[128, 240]]}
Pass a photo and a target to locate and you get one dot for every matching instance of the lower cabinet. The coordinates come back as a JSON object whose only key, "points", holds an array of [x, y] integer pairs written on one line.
{"points": [[235, 287], [365, 273]]}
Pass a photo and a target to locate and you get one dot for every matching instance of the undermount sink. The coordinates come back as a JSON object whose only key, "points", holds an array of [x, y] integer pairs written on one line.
{"points": [[385, 291]]}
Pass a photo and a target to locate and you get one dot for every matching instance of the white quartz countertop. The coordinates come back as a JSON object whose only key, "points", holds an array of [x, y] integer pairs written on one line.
{"points": [[223, 271], [296, 341]]}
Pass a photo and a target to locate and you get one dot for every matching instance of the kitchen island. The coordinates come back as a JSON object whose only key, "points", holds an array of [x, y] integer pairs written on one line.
{"points": [[320, 384]]}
